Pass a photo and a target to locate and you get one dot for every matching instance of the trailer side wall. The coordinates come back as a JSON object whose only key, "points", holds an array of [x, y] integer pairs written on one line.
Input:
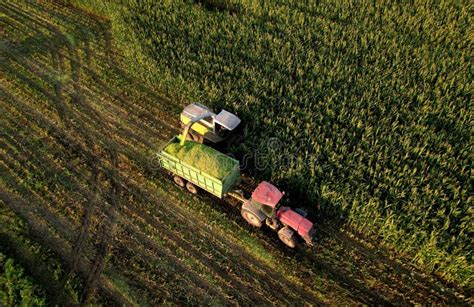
{"points": [[201, 179]]}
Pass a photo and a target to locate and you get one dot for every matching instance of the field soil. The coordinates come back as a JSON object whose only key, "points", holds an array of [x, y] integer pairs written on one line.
{"points": [[79, 137]]}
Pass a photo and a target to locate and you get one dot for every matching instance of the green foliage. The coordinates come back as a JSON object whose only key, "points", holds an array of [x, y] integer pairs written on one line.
{"points": [[202, 157], [15, 287], [220, 6], [372, 101]]}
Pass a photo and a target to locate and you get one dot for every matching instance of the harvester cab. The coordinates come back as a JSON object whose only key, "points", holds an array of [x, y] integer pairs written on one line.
{"points": [[211, 127], [265, 206]]}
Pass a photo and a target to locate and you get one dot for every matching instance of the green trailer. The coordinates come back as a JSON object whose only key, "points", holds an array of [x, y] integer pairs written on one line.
{"points": [[190, 175]]}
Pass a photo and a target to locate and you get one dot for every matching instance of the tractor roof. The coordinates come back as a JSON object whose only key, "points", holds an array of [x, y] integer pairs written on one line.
{"points": [[266, 193]]}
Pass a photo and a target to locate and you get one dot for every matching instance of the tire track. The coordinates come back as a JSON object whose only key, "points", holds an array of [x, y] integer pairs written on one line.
{"points": [[78, 98], [106, 233], [40, 233], [148, 247]]}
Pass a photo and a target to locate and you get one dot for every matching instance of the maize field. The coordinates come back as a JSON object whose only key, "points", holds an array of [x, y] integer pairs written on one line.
{"points": [[372, 101], [370, 104]]}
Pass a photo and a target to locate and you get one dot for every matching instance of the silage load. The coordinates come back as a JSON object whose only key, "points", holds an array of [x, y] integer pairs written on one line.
{"points": [[202, 157]]}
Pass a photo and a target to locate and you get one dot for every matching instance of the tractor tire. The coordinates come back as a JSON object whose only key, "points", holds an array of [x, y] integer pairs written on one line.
{"points": [[191, 188], [251, 218], [287, 236], [178, 181]]}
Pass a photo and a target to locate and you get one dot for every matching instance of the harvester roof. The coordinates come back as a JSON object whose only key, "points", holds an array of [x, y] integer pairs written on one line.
{"points": [[196, 109], [227, 120]]}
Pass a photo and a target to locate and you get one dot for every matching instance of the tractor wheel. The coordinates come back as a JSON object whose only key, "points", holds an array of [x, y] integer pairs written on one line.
{"points": [[251, 218], [191, 188], [179, 181], [287, 236]]}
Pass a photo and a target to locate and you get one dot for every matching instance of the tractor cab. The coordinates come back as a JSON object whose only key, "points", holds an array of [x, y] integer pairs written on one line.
{"points": [[266, 198], [263, 205], [206, 125]]}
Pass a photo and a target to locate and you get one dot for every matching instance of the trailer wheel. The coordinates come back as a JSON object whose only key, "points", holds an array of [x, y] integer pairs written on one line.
{"points": [[179, 181], [191, 188], [251, 218], [287, 236]]}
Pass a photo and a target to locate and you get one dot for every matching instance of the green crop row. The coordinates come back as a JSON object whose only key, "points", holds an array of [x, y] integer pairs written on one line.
{"points": [[15, 287], [371, 100]]}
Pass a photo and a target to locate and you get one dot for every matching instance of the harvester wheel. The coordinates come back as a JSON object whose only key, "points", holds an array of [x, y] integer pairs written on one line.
{"points": [[179, 181], [194, 136], [287, 236], [251, 218], [198, 138], [191, 188]]}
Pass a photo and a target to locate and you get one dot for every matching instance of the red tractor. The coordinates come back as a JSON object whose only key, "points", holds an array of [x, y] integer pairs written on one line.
{"points": [[265, 206]]}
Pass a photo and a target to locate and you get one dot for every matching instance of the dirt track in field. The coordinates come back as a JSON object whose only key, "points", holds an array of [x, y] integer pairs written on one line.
{"points": [[76, 152]]}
